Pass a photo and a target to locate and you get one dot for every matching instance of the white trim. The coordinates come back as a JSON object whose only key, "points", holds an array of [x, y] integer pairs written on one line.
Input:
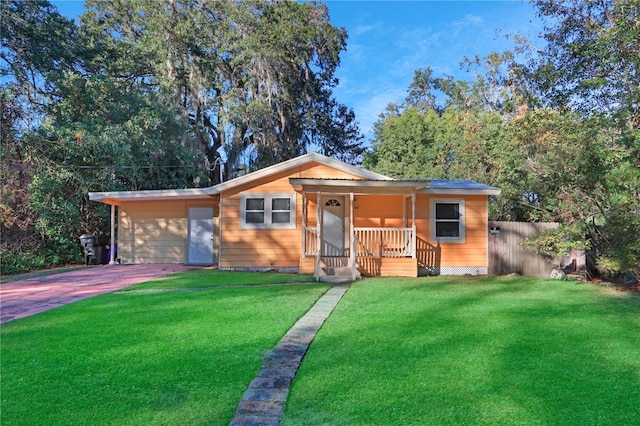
{"points": [[112, 247], [486, 230], [303, 247], [268, 212], [219, 231], [316, 268], [156, 194], [462, 221]]}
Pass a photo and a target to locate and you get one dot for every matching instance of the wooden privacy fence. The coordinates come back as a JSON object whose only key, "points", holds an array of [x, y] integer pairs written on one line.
{"points": [[507, 255]]}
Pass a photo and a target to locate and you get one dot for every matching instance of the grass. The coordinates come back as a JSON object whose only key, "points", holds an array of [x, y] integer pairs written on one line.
{"points": [[203, 278], [182, 357], [472, 351], [395, 351]]}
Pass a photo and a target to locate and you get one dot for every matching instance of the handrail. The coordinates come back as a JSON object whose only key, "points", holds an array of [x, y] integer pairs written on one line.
{"points": [[370, 241], [384, 242], [310, 234]]}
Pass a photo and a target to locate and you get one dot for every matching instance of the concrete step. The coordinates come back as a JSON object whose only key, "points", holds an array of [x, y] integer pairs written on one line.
{"points": [[335, 280], [337, 270]]}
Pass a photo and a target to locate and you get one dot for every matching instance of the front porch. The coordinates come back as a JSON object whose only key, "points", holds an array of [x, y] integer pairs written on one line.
{"points": [[338, 241], [378, 252]]}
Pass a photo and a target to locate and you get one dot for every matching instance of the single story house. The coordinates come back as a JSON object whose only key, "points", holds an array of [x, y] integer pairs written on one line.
{"points": [[310, 214]]}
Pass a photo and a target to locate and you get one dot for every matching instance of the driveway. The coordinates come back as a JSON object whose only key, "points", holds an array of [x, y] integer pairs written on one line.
{"points": [[19, 299]]}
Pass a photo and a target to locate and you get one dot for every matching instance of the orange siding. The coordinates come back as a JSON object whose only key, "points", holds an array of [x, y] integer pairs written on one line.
{"points": [[155, 232], [268, 247], [307, 265], [472, 253], [368, 210], [388, 266], [399, 267], [282, 247], [378, 211]]}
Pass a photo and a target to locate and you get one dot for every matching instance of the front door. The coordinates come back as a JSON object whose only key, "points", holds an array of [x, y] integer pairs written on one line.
{"points": [[200, 250], [333, 227]]}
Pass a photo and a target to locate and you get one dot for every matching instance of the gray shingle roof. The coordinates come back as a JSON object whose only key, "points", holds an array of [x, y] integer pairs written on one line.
{"points": [[458, 184]]}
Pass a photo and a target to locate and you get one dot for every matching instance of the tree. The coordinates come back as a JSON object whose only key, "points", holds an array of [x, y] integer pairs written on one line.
{"points": [[256, 76], [591, 62], [456, 130], [134, 98], [559, 134], [35, 40], [591, 65], [408, 146]]}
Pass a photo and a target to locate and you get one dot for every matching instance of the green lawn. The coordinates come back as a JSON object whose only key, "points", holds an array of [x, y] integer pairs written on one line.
{"points": [[202, 278], [421, 351], [465, 351], [165, 358]]}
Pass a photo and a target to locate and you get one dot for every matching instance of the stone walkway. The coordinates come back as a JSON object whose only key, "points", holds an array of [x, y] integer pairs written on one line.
{"points": [[263, 401]]}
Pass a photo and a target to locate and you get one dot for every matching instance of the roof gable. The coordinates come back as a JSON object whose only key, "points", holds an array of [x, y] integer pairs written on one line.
{"points": [[428, 186], [312, 157]]}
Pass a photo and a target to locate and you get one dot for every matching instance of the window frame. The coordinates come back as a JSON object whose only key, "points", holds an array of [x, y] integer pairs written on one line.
{"points": [[268, 198], [461, 239]]}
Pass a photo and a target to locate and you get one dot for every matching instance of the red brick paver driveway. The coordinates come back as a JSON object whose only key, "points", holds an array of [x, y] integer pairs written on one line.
{"points": [[20, 299]]}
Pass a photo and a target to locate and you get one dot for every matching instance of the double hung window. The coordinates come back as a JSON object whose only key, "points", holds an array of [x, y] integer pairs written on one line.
{"points": [[448, 224], [268, 211]]}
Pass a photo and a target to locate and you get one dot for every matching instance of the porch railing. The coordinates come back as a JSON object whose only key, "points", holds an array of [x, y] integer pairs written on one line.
{"points": [[384, 242], [310, 241]]}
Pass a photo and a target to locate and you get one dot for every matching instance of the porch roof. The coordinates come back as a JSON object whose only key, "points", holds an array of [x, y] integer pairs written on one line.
{"points": [[460, 187], [396, 186], [359, 186]]}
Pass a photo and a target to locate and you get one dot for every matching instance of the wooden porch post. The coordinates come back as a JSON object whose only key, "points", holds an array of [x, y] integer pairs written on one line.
{"points": [[352, 243], [413, 224], [219, 230], [112, 256], [304, 223], [405, 220], [318, 233]]}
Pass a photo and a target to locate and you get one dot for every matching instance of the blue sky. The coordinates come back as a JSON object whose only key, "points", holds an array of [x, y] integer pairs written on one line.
{"points": [[389, 40]]}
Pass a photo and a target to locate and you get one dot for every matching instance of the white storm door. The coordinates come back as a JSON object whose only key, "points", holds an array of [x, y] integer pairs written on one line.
{"points": [[333, 227], [200, 244]]}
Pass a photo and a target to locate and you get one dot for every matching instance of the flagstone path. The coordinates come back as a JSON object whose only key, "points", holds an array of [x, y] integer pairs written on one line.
{"points": [[263, 401]]}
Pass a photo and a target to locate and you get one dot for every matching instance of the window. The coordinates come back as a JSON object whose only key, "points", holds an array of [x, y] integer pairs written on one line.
{"points": [[447, 221], [281, 210], [268, 211], [254, 210]]}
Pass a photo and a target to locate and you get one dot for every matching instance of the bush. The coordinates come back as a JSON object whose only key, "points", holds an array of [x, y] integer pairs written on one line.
{"points": [[42, 258]]}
